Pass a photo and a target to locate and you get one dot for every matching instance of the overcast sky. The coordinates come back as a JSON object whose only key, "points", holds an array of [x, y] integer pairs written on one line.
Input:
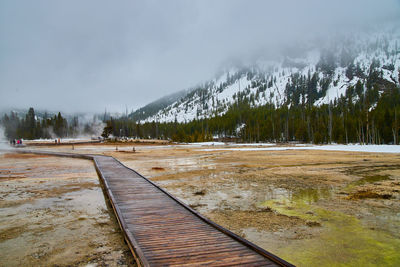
{"points": [[91, 55]]}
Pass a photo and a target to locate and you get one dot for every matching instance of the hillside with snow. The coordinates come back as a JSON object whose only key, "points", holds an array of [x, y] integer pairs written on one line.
{"points": [[316, 77]]}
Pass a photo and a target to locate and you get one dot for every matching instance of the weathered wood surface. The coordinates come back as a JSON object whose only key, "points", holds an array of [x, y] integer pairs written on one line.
{"points": [[167, 232], [162, 231]]}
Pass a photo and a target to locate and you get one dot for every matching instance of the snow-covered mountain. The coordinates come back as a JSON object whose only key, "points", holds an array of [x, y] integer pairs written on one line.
{"points": [[317, 76], [153, 108]]}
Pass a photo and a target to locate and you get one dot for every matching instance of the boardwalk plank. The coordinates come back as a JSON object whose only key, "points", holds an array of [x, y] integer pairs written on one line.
{"points": [[165, 230]]}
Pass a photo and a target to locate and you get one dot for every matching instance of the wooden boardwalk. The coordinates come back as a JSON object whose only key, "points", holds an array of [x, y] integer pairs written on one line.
{"points": [[162, 231]]}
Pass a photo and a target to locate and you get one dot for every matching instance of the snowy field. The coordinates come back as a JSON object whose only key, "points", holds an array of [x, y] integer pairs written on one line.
{"points": [[351, 148], [220, 146], [228, 144]]}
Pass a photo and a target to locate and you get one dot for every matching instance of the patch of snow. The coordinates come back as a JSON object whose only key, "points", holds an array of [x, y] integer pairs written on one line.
{"points": [[350, 148], [253, 144], [207, 144]]}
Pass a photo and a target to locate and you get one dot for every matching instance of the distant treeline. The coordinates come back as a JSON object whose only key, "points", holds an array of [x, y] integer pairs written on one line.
{"points": [[32, 127], [368, 113]]}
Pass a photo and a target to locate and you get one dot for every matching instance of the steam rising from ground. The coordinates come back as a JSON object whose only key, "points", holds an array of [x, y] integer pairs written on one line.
{"points": [[4, 144], [87, 128]]}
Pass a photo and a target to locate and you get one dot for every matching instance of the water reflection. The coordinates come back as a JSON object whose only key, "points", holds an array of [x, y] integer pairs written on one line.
{"points": [[372, 179], [300, 195], [310, 195]]}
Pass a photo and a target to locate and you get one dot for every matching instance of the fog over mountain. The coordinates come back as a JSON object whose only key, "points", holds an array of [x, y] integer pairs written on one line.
{"points": [[90, 55]]}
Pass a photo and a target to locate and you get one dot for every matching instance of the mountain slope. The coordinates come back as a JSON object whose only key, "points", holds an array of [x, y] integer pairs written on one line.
{"points": [[154, 107], [315, 78]]}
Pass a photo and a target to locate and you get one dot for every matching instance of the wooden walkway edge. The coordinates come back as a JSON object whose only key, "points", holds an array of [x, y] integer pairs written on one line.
{"points": [[160, 230]]}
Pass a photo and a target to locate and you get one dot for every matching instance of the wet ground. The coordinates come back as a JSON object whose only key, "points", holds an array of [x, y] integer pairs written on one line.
{"points": [[312, 208], [53, 213]]}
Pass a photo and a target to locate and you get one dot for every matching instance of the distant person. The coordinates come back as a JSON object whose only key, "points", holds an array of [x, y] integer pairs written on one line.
{"points": [[55, 141], [13, 142]]}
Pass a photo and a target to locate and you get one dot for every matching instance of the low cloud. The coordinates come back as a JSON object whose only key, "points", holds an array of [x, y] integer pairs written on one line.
{"points": [[91, 55]]}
